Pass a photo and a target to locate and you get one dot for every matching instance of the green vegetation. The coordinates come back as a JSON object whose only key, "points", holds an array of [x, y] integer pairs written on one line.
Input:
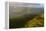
{"points": [[26, 21], [38, 21]]}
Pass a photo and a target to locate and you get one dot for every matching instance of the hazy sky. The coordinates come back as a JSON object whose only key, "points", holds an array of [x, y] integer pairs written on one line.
{"points": [[32, 5]]}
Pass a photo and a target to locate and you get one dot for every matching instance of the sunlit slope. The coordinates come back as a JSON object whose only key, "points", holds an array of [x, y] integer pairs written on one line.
{"points": [[38, 21]]}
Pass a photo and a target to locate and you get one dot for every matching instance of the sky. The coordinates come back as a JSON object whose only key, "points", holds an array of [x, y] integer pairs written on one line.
{"points": [[32, 5]]}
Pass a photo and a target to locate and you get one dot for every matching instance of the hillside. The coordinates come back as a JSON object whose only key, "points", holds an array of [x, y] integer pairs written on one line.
{"points": [[27, 21]]}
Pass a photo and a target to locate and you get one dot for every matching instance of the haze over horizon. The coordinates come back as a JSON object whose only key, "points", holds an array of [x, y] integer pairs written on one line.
{"points": [[18, 9]]}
